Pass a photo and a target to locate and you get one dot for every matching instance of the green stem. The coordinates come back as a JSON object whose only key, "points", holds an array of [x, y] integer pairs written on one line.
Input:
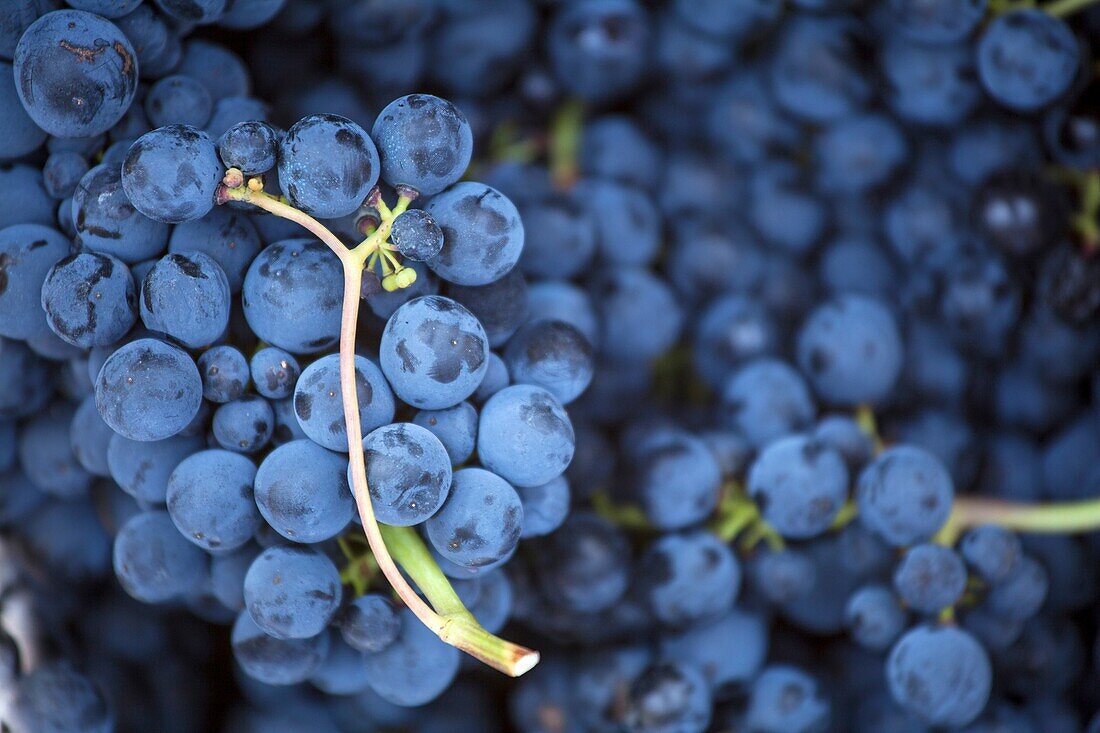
{"points": [[1062, 8], [1071, 517], [459, 627], [565, 144]]}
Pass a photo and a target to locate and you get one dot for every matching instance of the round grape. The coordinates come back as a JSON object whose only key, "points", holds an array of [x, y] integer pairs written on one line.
{"points": [[525, 436], [327, 165], [86, 56], [424, 143], [172, 173], [210, 500], [302, 491]]}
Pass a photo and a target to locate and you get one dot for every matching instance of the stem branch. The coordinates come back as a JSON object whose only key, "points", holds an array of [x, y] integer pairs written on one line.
{"points": [[459, 627], [1069, 517], [456, 626]]}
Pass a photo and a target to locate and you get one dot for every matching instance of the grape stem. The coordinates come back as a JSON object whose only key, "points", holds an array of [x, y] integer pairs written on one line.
{"points": [[456, 626], [1056, 518]]}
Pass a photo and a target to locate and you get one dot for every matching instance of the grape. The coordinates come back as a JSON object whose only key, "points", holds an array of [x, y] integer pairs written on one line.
{"points": [[553, 355], [227, 573], [1020, 595], [369, 623], [585, 565], [851, 350], [408, 473], [689, 577], [930, 578], [668, 697], [424, 142], [416, 668], [55, 471], [23, 136], [729, 650], [494, 602], [640, 316], [89, 438], [941, 674], [433, 352], [783, 577], [938, 22], [276, 661], [68, 538], [231, 111], [56, 698], [327, 165], [192, 11], [343, 672], [544, 507], [482, 234], [874, 617], [302, 492], [107, 222], [991, 551], [292, 592], [677, 481], [478, 53], [416, 235], [1044, 57], [89, 299], [210, 500], [178, 99], [800, 484], [558, 300], [153, 562], [172, 173], [525, 436], [480, 521], [930, 85], [615, 148], [224, 374], [844, 435], [251, 146], [785, 698], [85, 55], [274, 372], [500, 307], [186, 296], [455, 427], [860, 153], [628, 227], [496, 378], [904, 495], [804, 47], [766, 399], [247, 14], [27, 253], [731, 331], [25, 197], [560, 238], [319, 407], [142, 468], [598, 48], [291, 296], [219, 69], [244, 425], [227, 236], [148, 390], [61, 174]]}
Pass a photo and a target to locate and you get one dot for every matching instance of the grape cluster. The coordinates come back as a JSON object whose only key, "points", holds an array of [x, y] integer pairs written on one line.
{"points": [[740, 358]]}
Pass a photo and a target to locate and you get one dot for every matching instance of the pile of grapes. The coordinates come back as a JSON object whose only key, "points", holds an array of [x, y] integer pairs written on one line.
{"points": [[725, 366]]}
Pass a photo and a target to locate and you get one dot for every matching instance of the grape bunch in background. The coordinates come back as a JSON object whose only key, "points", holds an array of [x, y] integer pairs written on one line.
{"points": [[742, 361]]}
